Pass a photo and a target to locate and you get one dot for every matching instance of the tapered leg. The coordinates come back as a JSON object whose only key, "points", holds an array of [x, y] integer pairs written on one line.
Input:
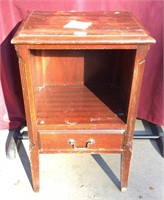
{"points": [[125, 167], [34, 160]]}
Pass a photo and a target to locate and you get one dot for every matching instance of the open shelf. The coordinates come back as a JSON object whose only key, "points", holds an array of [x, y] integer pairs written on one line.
{"points": [[82, 89], [80, 107]]}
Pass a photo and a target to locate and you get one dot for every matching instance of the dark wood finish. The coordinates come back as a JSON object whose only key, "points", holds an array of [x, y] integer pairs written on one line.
{"points": [[81, 85]]}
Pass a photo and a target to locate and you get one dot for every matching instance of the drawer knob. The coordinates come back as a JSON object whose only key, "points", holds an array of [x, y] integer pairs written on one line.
{"points": [[72, 142]]}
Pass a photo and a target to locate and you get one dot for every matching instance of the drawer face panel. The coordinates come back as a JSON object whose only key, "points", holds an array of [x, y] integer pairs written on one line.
{"points": [[58, 141]]}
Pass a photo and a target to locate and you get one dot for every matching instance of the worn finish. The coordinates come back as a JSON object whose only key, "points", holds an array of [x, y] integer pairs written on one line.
{"points": [[106, 28], [81, 74]]}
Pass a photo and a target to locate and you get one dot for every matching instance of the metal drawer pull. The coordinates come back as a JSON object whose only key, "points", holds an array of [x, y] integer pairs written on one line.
{"points": [[72, 142]]}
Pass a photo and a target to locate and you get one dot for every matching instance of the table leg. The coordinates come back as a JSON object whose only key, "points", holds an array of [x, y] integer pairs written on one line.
{"points": [[34, 157]]}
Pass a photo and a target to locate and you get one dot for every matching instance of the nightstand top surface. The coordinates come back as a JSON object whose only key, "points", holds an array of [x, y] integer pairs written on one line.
{"points": [[72, 27]]}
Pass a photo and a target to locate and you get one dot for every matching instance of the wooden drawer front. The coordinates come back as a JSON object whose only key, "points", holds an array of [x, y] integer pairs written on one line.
{"points": [[56, 141]]}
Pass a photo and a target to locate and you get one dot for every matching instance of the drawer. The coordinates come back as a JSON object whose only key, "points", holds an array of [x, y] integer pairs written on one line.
{"points": [[67, 140]]}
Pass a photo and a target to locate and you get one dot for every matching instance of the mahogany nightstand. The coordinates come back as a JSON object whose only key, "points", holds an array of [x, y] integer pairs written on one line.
{"points": [[81, 75]]}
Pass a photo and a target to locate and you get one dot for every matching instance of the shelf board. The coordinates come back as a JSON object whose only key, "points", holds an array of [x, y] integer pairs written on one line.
{"points": [[80, 107]]}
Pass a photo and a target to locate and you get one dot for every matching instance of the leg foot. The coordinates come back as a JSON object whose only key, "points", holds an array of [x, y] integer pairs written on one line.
{"points": [[125, 167], [123, 189]]}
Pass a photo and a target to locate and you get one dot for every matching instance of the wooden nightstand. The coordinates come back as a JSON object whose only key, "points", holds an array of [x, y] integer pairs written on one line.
{"points": [[81, 74]]}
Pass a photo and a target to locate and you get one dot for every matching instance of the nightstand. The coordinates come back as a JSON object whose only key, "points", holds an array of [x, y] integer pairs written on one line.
{"points": [[81, 74]]}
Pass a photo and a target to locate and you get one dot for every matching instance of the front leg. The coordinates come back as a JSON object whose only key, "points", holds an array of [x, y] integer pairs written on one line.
{"points": [[34, 160]]}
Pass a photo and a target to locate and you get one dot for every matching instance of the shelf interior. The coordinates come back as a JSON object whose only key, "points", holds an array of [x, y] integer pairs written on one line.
{"points": [[79, 107]]}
